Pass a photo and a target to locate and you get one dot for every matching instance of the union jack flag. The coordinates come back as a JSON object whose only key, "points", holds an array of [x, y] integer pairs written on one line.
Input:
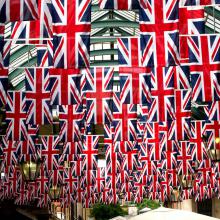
{"points": [[119, 4], [191, 22], [130, 160], [205, 59], [28, 148], [159, 32], [153, 183], [170, 155], [9, 151], [161, 107], [11, 175], [72, 150], [3, 86], [38, 106], [156, 139], [51, 151], [181, 77], [66, 89], [142, 114], [71, 27], [149, 167], [206, 175], [77, 165], [25, 151], [16, 116], [184, 158], [56, 176], [113, 160], [129, 53], [124, 121], [198, 148], [134, 78], [127, 188], [111, 184], [100, 179], [18, 10], [42, 181], [71, 120], [90, 179], [99, 94], [134, 85], [179, 129], [90, 152], [34, 32], [165, 182]]}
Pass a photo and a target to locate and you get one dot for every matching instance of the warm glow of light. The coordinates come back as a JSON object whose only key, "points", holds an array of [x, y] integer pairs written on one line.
{"points": [[217, 140]]}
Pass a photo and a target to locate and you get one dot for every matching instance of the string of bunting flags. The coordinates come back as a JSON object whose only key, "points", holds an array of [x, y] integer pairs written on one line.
{"points": [[153, 144]]}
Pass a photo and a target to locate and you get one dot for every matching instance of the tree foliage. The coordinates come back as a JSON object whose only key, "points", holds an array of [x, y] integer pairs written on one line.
{"points": [[105, 212], [148, 203]]}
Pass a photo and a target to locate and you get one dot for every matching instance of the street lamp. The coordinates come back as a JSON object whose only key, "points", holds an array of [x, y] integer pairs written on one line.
{"points": [[55, 192], [30, 170]]}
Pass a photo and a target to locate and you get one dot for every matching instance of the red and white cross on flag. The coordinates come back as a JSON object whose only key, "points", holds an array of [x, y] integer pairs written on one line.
{"points": [[71, 27], [42, 181], [51, 151], [135, 85], [161, 107], [184, 158], [124, 121], [179, 129], [71, 121], [66, 88], [90, 152], [70, 180], [204, 67], [38, 99], [72, 151], [99, 94], [130, 160], [34, 31], [9, 149], [100, 179], [156, 139], [197, 142], [18, 10], [165, 182], [159, 24], [113, 159], [191, 22], [16, 116]]}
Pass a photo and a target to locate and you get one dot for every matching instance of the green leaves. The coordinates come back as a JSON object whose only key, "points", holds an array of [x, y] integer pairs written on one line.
{"points": [[105, 212], [148, 203]]}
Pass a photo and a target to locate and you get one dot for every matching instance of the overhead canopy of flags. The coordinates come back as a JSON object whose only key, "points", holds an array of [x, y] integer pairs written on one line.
{"points": [[151, 138]]}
